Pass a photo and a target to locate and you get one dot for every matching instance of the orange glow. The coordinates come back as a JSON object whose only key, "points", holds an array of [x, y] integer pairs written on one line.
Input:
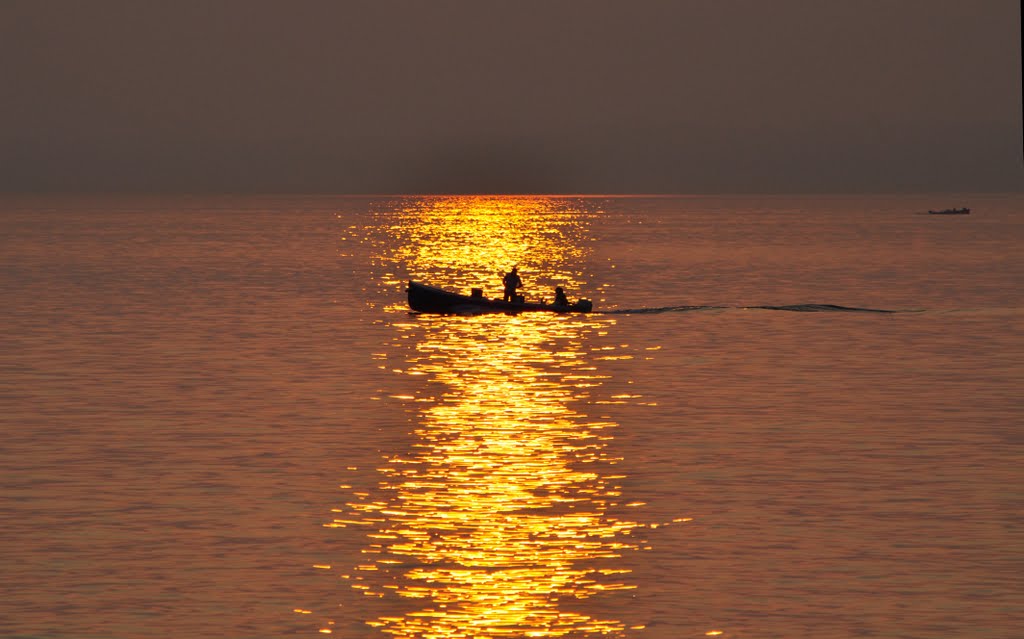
{"points": [[497, 519], [467, 242]]}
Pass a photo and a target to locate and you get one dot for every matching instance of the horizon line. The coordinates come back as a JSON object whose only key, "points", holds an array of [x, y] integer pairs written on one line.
{"points": [[133, 193]]}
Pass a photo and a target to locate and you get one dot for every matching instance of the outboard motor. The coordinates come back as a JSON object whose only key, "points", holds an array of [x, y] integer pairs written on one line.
{"points": [[584, 305]]}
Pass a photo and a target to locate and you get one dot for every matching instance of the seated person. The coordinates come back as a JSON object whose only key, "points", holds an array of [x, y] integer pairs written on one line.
{"points": [[560, 298]]}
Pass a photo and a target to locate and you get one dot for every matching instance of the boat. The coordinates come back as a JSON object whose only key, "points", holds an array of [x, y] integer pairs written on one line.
{"points": [[963, 211], [431, 299]]}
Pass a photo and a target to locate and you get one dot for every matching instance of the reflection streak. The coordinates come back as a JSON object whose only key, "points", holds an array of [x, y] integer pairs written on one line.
{"points": [[498, 517]]}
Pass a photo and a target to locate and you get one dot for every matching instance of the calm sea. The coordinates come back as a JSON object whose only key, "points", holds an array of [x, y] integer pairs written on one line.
{"points": [[793, 417]]}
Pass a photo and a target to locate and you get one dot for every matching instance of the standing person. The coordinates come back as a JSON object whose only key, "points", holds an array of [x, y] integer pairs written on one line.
{"points": [[511, 281]]}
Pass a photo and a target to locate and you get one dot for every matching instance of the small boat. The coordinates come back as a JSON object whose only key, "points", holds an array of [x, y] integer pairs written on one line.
{"points": [[964, 211], [430, 299]]}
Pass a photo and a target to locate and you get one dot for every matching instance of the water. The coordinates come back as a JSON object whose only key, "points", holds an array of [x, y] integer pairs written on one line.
{"points": [[220, 419]]}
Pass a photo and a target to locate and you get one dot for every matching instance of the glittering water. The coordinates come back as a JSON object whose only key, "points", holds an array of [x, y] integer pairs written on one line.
{"points": [[220, 419]]}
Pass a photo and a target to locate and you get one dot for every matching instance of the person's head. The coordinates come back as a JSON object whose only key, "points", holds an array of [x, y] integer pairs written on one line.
{"points": [[558, 289]]}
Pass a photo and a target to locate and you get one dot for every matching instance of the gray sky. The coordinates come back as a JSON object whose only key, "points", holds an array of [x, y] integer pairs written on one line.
{"points": [[551, 96]]}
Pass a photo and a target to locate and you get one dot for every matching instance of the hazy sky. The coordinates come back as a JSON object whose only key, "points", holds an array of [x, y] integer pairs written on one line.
{"points": [[555, 96]]}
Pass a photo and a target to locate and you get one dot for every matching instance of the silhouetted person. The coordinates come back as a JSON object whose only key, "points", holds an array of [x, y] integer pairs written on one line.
{"points": [[560, 298], [511, 281]]}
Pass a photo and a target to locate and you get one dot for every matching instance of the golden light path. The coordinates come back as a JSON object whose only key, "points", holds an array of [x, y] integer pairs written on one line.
{"points": [[497, 522]]}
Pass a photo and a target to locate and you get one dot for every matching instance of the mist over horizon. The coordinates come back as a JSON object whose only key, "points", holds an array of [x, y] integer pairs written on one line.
{"points": [[556, 97]]}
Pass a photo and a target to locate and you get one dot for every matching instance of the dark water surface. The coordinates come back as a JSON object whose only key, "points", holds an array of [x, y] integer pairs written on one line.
{"points": [[794, 416]]}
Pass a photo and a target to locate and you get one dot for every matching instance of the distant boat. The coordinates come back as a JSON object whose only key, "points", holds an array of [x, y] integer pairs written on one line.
{"points": [[430, 299], [963, 211]]}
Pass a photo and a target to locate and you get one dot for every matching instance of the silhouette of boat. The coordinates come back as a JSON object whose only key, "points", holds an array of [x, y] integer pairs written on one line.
{"points": [[430, 299], [964, 211]]}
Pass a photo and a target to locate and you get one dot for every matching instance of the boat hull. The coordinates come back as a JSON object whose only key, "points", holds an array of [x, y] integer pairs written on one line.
{"points": [[430, 299]]}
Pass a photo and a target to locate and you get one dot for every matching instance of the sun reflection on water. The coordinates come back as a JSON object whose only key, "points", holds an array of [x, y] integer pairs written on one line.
{"points": [[466, 242], [499, 519]]}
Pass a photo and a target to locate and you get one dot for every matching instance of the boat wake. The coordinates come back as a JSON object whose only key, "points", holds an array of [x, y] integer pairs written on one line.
{"points": [[661, 309], [796, 308], [818, 308]]}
